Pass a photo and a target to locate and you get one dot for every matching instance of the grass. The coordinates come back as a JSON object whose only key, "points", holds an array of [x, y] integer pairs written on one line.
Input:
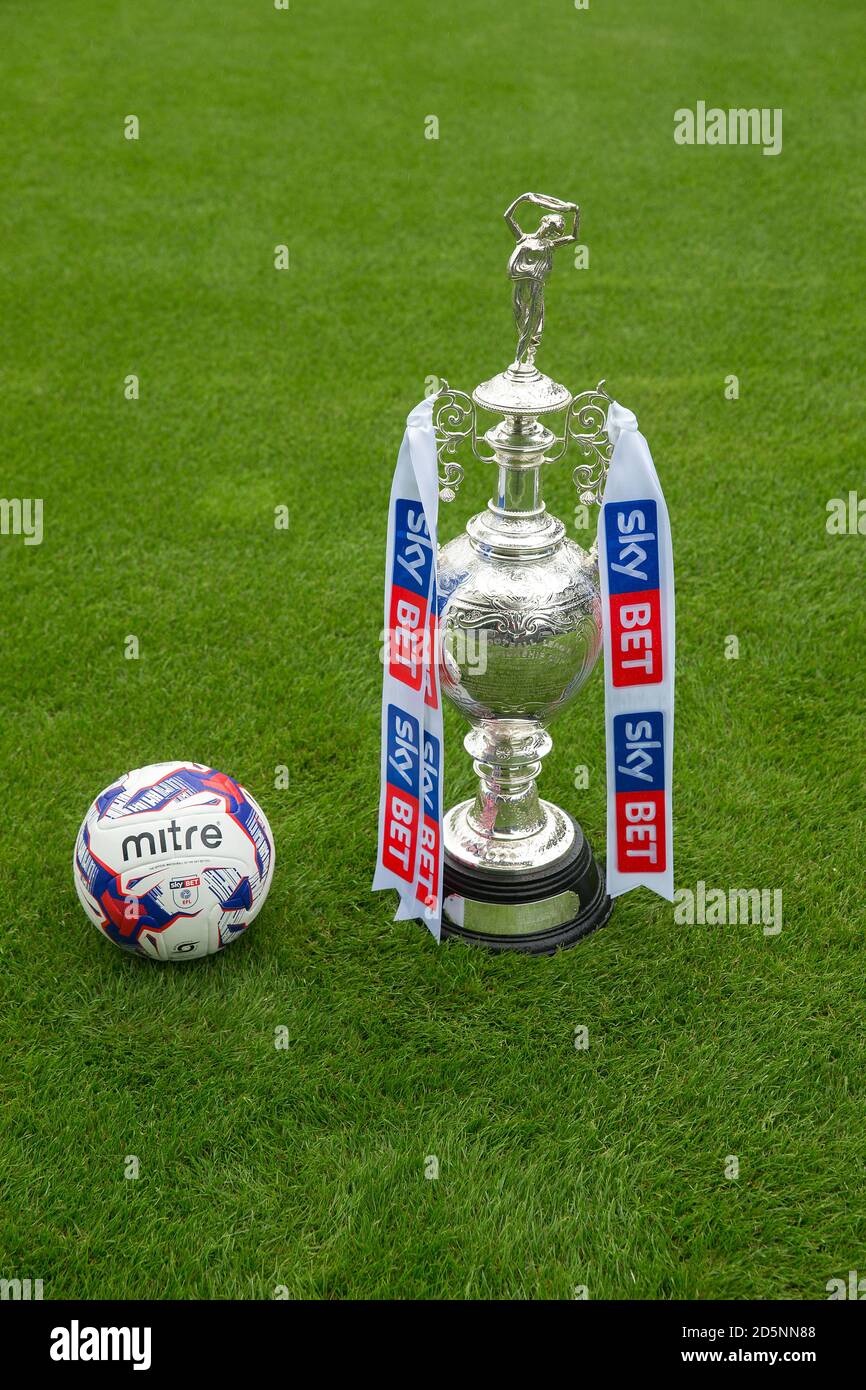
{"points": [[304, 1166]]}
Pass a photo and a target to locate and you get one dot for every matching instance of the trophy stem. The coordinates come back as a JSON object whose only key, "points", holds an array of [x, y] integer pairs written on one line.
{"points": [[507, 803], [519, 489], [508, 799]]}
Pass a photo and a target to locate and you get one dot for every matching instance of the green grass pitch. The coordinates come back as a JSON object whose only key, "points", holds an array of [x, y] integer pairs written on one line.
{"points": [[304, 1167]]}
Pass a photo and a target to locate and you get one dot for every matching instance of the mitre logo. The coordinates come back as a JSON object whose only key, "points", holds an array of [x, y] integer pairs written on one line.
{"points": [[169, 837]]}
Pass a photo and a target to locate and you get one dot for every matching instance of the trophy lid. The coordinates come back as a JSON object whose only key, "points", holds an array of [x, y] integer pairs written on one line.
{"points": [[517, 391]]}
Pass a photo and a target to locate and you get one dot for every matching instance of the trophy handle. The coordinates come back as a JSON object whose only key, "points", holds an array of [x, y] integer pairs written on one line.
{"points": [[586, 424], [454, 419]]}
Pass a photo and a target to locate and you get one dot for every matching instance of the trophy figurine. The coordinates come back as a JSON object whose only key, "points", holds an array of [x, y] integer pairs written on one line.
{"points": [[520, 623]]}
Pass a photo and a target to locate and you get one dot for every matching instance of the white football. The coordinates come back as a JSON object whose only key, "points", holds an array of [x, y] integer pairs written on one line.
{"points": [[173, 861]]}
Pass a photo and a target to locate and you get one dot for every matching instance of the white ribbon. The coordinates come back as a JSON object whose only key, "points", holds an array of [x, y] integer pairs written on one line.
{"points": [[410, 802], [636, 570]]}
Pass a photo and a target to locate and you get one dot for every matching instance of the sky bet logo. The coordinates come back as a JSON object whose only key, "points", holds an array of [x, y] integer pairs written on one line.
{"points": [[639, 759], [631, 534], [411, 609], [402, 811], [428, 854]]}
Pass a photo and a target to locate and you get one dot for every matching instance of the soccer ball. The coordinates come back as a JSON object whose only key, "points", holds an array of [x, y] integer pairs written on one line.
{"points": [[173, 861]]}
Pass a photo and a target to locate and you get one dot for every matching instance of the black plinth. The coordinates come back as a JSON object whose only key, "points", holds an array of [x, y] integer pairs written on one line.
{"points": [[497, 906]]}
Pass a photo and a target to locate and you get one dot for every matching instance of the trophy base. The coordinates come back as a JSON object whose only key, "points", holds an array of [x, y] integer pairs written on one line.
{"points": [[538, 911]]}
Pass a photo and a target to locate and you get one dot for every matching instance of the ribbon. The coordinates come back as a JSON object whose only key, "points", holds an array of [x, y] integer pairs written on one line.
{"points": [[637, 588], [410, 802]]}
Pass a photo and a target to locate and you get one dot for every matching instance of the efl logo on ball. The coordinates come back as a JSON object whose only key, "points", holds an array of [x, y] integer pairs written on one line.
{"points": [[174, 861]]}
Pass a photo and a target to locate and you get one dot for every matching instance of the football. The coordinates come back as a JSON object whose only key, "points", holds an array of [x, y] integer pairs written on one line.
{"points": [[173, 861]]}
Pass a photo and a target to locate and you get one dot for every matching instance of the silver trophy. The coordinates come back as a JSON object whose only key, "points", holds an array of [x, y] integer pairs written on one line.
{"points": [[521, 627]]}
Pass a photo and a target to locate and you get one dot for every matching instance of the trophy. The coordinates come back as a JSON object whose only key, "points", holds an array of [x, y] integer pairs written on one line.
{"points": [[520, 625]]}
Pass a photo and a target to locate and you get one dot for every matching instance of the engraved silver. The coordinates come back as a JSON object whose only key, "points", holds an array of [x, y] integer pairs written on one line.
{"points": [[515, 579]]}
